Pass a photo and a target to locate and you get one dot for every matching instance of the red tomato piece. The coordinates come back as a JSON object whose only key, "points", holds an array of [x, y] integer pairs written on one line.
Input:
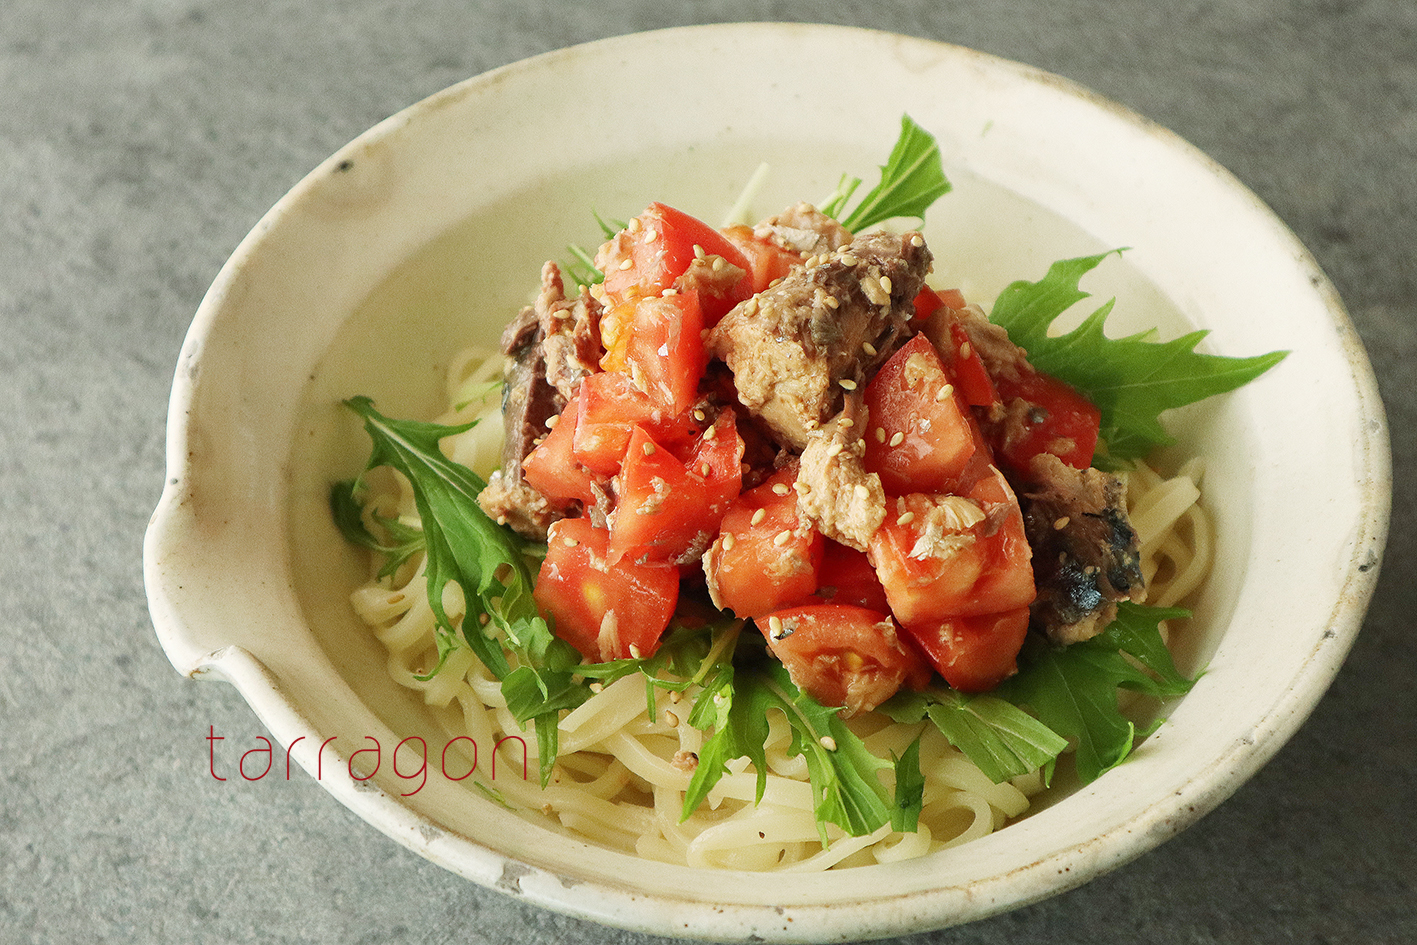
{"points": [[949, 556], [843, 655], [605, 612], [668, 511], [608, 408], [971, 377], [1055, 419], [551, 467], [765, 557], [847, 577], [663, 349], [767, 261], [922, 437], [974, 654], [655, 251]]}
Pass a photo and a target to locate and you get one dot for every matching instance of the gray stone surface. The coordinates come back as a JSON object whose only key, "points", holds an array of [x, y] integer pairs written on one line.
{"points": [[140, 140]]}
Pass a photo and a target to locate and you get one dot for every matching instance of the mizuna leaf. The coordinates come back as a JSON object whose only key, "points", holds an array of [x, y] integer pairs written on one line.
{"points": [[467, 548], [1073, 689], [1133, 379], [1000, 738], [912, 179]]}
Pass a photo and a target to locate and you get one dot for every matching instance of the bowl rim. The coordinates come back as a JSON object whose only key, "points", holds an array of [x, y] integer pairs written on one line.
{"points": [[615, 904]]}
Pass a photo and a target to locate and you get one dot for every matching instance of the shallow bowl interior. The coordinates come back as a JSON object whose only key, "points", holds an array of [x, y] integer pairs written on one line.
{"points": [[425, 234]]}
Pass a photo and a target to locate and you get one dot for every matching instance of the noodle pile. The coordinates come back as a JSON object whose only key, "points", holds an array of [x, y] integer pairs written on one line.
{"points": [[621, 771]]}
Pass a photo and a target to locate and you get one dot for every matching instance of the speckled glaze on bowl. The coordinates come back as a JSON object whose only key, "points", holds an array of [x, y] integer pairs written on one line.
{"points": [[427, 232]]}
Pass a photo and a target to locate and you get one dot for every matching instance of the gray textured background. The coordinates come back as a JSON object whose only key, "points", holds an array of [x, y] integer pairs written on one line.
{"points": [[141, 139]]}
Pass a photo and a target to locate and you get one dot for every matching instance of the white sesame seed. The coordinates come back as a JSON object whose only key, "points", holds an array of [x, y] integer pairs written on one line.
{"points": [[782, 538], [705, 469], [944, 392], [832, 302], [886, 284], [1061, 523], [898, 439], [649, 449], [775, 626], [917, 240], [758, 516], [634, 651], [869, 348], [905, 519], [699, 251], [671, 719], [964, 350], [779, 488], [651, 234], [862, 492], [728, 541], [711, 433], [834, 447], [634, 225], [802, 487], [699, 416], [847, 383], [828, 743], [626, 264], [848, 260], [552, 421], [880, 434]]}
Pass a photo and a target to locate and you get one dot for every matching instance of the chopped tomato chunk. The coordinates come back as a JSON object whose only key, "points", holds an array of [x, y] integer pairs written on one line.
{"points": [[765, 557], [847, 577], [922, 437], [608, 408], [668, 511], [657, 250], [948, 556], [606, 612], [551, 467], [659, 343], [767, 261], [971, 377], [974, 653], [1046, 415], [843, 655]]}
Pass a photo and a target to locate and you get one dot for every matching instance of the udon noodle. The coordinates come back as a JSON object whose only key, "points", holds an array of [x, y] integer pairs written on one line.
{"points": [[621, 772]]}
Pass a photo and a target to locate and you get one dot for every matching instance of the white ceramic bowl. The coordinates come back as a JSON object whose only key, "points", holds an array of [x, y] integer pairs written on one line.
{"points": [[427, 232]]}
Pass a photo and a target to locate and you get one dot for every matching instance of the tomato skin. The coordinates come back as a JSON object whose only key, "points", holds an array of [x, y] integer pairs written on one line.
{"points": [[971, 377], [975, 653], [551, 467], [657, 249], [767, 261], [842, 655], [667, 510], [922, 437], [748, 571], [608, 407], [1057, 420], [605, 612], [659, 343], [951, 556], [846, 576]]}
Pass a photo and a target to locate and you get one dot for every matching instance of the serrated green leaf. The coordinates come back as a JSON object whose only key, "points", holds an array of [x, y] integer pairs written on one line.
{"points": [[1000, 738], [467, 548], [1133, 379], [912, 179], [1073, 689]]}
